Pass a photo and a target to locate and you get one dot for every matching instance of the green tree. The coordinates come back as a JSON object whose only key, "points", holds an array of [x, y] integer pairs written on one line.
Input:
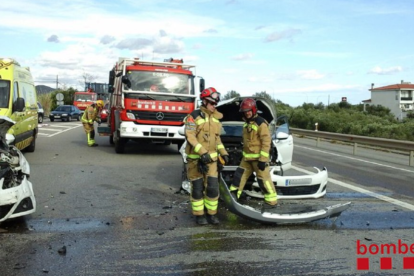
{"points": [[230, 94]]}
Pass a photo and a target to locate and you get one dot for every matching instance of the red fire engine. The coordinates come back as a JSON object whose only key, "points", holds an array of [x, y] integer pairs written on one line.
{"points": [[149, 101], [83, 99]]}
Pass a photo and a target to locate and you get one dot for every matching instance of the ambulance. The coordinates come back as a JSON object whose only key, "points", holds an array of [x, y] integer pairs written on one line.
{"points": [[18, 101]]}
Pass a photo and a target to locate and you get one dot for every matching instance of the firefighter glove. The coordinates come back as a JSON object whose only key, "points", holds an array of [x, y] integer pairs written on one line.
{"points": [[226, 159], [205, 158], [261, 165], [202, 167]]}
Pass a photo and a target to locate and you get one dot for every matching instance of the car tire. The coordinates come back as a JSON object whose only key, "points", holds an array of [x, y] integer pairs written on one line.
{"points": [[52, 119], [111, 139], [69, 118], [79, 116], [40, 119]]}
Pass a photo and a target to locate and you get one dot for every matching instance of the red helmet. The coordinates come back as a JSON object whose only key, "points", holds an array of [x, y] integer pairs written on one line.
{"points": [[211, 95], [248, 104]]}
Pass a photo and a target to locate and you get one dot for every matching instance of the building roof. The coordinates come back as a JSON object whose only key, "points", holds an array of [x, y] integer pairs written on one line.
{"points": [[366, 101], [398, 86]]}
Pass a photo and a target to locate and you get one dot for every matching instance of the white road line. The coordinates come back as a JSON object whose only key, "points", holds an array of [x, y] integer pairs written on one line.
{"points": [[64, 131], [357, 159], [364, 191]]}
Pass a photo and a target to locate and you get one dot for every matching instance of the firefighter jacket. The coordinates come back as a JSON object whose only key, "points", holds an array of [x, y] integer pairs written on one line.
{"points": [[256, 139], [91, 114], [202, 131]]}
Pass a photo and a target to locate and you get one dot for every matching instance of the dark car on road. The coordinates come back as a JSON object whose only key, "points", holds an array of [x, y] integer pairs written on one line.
{"points": [[65, 113]]}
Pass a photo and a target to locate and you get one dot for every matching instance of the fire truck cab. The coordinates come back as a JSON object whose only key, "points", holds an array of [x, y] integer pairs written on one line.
{"points": [[149, 101]]}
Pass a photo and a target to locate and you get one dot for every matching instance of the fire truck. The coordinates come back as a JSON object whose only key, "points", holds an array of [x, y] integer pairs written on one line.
{"points": [[83, 99], [149, 100]]}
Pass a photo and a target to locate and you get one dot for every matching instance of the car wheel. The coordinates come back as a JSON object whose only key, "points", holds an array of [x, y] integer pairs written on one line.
{"points": [[40, 119], [52, 119], [79, 116], [69, 118], [111, 139]]}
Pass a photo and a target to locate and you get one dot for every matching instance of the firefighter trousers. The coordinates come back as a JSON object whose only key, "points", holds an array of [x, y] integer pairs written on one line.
{"points": [[204, 188], [90, 133], [242, 174]]}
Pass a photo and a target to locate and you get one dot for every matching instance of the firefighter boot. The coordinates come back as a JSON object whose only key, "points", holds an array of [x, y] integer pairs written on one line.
{"points": [[201, 220], [213, 219]]}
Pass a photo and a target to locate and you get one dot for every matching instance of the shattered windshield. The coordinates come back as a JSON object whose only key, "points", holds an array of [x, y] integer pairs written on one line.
{"points": [[164, 82], [4, 93]]}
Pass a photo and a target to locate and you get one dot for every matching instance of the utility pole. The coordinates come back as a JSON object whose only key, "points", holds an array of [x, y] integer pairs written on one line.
{"points": [[57, 82]]}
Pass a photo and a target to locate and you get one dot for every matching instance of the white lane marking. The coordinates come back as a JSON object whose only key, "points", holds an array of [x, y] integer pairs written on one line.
{"points": [[364, 191], [59, 129], [357, 159], [63, 131]]}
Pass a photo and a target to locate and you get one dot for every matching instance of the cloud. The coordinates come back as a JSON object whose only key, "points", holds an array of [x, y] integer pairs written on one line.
{"points": [[133, 43], [385, 71], [163, 33], [245, 56], [286, 34], [210, 31], [53, 38], [107, 39]]}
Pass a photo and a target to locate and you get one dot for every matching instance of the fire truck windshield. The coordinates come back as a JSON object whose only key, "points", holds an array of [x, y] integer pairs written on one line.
{"points": [[85, 97], [164, 82]]}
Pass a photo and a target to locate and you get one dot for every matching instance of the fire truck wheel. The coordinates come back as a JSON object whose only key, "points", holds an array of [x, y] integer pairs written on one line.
{"points": [[120, 145]]}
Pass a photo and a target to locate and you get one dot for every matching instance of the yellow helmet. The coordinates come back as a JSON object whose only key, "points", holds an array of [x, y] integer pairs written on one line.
{"points": [[100, 103]]}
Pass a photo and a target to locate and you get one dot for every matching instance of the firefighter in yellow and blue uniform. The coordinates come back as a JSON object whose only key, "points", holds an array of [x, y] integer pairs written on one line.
{"points": [[91, 115], [202, 131], [256, 150]]}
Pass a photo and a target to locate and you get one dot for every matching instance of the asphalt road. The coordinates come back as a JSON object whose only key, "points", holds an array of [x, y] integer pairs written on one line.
{"points": [[121, 215]]}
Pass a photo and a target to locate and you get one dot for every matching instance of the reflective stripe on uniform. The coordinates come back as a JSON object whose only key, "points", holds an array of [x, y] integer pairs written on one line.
{"points": [[219, 147], [265, 154], [193, 156], [197, 205], [251, 155], [254, 127], [211, 204], [197, 147], [271, 196]]}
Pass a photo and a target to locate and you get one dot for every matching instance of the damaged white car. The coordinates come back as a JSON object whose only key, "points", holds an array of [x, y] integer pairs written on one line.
{"points": [[16, 193], [288, 186]]}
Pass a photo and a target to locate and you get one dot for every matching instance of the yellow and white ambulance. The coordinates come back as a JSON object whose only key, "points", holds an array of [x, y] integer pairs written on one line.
{"points": [[18, 101]]}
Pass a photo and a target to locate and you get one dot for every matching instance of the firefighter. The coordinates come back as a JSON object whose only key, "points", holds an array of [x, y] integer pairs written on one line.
{"points": [[92, 114], [256, 149], [202, 131]]}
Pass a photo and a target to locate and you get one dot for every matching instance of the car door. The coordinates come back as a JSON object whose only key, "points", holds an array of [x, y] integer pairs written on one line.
{"points": [[283, 140]]}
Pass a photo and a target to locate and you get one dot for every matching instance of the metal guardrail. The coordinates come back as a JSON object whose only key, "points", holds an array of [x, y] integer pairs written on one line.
{"points": [[406, 146]]}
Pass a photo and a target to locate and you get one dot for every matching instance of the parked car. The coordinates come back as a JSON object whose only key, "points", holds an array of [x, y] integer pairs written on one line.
{"points": [[40, 113], [302, 186], [104, 113], [16, 191], [65, 113]]}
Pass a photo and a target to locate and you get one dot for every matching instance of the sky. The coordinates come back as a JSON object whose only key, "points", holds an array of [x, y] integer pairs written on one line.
{"points": [[296, 50]]}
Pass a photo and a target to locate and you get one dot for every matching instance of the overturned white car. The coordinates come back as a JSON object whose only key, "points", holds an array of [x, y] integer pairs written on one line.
{"points": [[16, 193], [288, 186]]}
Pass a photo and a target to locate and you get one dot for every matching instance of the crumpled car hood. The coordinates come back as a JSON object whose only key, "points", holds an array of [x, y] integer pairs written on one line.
{"points": [[230, 109]]}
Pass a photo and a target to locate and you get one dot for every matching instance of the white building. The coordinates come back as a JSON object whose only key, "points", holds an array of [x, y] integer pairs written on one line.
{"points": [[397, 97]]}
